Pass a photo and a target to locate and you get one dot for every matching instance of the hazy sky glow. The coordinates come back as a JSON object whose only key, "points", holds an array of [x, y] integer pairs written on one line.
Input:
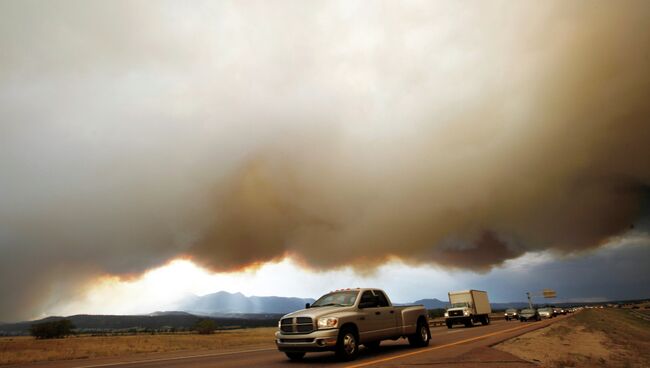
{"points": [[576, 278], [434, 145]]}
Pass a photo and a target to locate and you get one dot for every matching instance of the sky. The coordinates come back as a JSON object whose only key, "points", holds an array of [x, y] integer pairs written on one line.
{"points": [[225, 144], [577, 278]]}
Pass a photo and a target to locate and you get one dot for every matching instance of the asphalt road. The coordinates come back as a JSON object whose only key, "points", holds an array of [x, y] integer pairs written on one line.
{"points": [[461, 346]]}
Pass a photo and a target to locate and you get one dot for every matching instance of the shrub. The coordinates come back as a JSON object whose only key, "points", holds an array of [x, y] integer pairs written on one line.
{"points": [[434, 313], [205, 326], [52, 329]]}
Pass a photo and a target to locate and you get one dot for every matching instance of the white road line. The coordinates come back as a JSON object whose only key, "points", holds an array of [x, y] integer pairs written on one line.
{"points": [[173, 358]]}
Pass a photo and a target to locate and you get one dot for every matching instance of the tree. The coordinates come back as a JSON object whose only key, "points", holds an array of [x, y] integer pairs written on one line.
{"points": [[205, 326], [52, 329]]}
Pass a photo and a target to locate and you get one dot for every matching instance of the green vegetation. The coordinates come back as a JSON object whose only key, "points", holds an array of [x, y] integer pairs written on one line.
{"points": [[52, 329], [205, 327], [436, 313]]}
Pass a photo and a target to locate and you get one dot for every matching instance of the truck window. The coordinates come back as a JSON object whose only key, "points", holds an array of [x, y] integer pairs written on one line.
{"points": [[367, 297], [382, 301]]}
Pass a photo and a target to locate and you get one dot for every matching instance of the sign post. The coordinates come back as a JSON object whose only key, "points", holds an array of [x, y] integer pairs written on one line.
{"points": [[546, 293]]}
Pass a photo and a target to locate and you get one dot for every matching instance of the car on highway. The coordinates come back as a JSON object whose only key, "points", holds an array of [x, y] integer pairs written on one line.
{"points": [[529, 314], [342, 320], [511, 314], [545, 312]]}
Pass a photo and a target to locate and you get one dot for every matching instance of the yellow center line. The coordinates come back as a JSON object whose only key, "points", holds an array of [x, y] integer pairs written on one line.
{"points": [[438, 347]]}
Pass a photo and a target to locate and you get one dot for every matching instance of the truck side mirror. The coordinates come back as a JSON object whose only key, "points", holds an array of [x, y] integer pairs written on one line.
{"points": [[307, 305]]}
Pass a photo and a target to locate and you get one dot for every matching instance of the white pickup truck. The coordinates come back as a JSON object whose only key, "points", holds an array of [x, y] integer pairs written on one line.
{"points": [[342, 320]]}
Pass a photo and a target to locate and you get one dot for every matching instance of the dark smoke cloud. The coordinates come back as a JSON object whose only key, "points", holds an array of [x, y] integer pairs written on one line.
{"points": [[337, 133]]}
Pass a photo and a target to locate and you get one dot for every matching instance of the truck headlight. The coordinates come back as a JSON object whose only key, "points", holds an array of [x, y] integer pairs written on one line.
{"points": [[465, 313], [279, 324], [446, 314], [328, 322]]}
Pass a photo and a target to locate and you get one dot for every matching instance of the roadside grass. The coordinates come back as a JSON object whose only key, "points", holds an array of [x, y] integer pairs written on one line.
{"points": [[591, 338], [20, 350]]}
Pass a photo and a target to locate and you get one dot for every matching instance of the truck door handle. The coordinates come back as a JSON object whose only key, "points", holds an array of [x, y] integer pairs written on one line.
{"points": [[377, 313]]}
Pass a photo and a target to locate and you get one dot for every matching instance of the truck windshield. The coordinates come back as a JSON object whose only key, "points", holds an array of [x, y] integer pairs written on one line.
{"points": [[459, 305], [338, 298]]}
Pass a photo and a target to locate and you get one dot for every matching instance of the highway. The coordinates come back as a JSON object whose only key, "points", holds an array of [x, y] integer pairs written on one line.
{"points": [[460, 347]]}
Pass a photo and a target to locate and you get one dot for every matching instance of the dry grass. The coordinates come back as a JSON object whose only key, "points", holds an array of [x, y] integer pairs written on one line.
{"points": [[17, 350], [592, 338]]}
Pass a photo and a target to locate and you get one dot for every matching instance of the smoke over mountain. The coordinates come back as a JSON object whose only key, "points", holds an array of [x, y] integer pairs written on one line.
{"points": [[338, 134]]}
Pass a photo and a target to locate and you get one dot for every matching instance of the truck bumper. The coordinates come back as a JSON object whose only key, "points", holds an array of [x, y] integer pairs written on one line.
{"points": [[458, 320], [319, 340]]}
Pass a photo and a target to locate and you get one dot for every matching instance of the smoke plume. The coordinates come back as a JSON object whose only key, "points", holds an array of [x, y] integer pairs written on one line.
{"points": [[457, 134]]}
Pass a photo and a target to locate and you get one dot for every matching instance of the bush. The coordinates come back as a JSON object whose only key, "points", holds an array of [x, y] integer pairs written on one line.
{"points": [[205, 326], [52, 329], [434, 313]]}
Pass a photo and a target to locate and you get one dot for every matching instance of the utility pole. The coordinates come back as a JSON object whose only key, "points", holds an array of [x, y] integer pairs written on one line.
{"points": [[530, 304]]}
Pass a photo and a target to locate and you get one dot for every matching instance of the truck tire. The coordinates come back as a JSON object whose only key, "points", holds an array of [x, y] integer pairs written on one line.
{"points": [[421, 336], [449, 324], [295, 355], [347, 345]]}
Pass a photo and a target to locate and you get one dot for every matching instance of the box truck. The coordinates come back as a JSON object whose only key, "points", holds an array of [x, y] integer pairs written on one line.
{"points": [[468, 307]]}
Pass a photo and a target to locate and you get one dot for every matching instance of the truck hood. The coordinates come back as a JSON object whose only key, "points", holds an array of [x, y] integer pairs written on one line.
{"points": [[319, 312]]}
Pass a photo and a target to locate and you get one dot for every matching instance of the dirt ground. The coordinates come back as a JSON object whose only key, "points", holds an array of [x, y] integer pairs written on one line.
{"points": [[592, 338], [17, 350]]}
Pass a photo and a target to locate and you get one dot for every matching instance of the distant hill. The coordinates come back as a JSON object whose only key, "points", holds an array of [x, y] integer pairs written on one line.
{"points": [[228, 310], [155, 321], [169, 313], [224, 303], [432, 303]]}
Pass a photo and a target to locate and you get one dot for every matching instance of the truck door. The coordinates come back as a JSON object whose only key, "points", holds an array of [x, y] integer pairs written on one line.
{"points": [[387, 316], [369, 319]]}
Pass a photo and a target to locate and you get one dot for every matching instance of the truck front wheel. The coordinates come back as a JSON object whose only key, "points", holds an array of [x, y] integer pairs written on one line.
{"points": [[449, 324], [347, 346], [295, 355]]}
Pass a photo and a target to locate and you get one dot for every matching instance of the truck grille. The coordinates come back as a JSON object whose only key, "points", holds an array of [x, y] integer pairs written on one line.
{"points": [[297, 325], [455, 313]]}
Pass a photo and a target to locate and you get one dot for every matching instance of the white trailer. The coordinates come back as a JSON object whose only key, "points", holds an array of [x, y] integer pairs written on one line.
{"points": [[468, 307]]}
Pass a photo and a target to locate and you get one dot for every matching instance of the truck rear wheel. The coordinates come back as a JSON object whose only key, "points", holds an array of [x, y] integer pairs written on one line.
{"points": [[295, 355], [421, 336], [347, 346]]}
